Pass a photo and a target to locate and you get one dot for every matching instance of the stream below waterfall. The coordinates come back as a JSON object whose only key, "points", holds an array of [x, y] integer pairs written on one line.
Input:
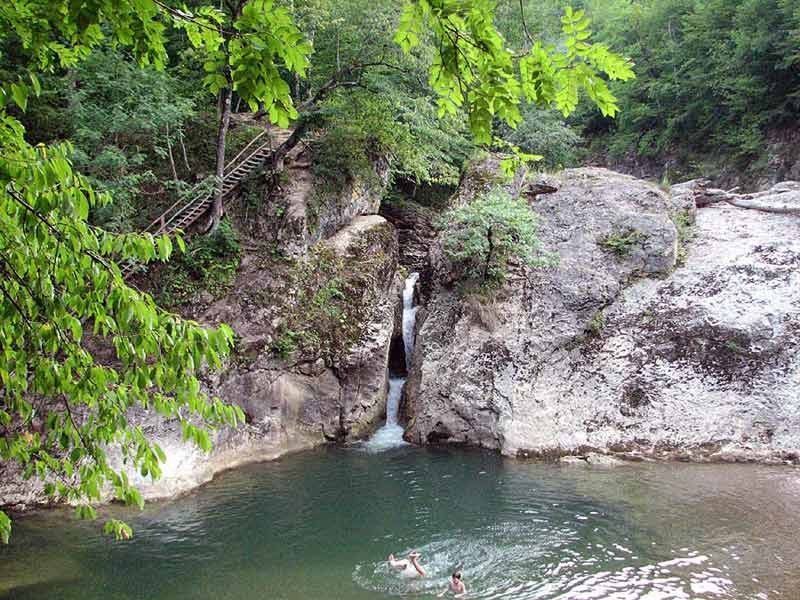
{"points": [[319, 525]]}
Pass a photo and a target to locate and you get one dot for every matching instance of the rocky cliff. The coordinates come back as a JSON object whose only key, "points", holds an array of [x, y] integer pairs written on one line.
{"points": [[640, 340], [312, 305]]}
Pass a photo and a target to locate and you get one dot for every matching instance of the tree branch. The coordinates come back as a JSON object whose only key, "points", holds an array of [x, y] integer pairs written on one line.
{"points": [[524, 23], [53, 229], [182, 16], [13, 302]]}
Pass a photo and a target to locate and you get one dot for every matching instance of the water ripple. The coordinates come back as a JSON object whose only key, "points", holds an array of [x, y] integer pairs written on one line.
{"points": [[320, 525]]}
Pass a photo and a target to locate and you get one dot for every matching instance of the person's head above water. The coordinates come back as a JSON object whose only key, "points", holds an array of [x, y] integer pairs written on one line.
{"points": [[456, 575]]}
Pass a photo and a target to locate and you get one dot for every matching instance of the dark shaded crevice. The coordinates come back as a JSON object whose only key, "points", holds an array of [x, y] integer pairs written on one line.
{"points": [[413, 216], [397, 356]]}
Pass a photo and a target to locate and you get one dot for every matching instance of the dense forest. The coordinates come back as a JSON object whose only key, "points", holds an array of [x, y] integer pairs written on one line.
{"points": [[114, 113], [715, 83]]}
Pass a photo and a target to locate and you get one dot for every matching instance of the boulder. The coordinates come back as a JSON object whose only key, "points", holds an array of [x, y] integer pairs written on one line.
{"points": [[619, 350], [311, 209]]}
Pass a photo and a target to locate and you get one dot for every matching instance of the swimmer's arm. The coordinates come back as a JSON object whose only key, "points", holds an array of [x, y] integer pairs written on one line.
{"points": [[419, 569], [442, 594]]}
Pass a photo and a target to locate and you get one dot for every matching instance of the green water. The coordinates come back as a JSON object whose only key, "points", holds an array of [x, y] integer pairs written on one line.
{"points": [[320, 525]]}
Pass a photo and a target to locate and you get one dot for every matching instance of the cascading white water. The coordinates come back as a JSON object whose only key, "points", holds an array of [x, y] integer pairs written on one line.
{"points": [[409, 316], [391, 434]]}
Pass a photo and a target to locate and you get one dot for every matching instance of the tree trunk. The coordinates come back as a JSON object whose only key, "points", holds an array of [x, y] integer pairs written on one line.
{"points": [[185, 158], [338, 58], [783, 198], [488, 255], [276, 160], [171, 157], [775, 206], [217, 208]]}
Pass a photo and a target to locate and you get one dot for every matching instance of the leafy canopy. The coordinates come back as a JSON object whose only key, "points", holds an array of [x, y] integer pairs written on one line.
{"points": [[714, 77], [247, 52], [383, 104], [79, 347], [474, 69]]}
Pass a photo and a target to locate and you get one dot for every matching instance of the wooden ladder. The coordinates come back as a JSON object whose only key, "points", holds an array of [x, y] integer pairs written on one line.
{"points": [[184, 213]]}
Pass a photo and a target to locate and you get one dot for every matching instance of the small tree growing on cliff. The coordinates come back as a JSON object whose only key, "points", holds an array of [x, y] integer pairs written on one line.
{"points": [[481, 237]]}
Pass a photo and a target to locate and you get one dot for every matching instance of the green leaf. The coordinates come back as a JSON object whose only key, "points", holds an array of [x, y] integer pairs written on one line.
{"points": [[19, 94], [5, 528], [120, 530], [37, 86], [86, 512]]}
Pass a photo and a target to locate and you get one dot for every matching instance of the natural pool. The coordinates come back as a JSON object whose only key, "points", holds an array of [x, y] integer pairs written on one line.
{"points": [[318, 525]]}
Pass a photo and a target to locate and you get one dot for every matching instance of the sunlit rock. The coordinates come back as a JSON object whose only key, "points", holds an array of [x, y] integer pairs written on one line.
{"points": [[618, 347]]}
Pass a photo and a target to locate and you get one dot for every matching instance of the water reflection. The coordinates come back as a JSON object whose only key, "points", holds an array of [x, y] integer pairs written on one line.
{"points": [[321, 525]]}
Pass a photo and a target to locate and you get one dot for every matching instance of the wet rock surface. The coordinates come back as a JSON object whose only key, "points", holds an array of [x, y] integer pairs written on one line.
{"points": [[624, 352], [593, 459]]}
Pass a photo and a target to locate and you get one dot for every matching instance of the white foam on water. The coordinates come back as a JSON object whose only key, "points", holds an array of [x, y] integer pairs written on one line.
{"points": [[391, 434]]}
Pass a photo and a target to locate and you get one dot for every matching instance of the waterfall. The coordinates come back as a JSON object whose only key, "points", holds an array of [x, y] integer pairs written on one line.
{"points": [[391, 434], [409, 317]]}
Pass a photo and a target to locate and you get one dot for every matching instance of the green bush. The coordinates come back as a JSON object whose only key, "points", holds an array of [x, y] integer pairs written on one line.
{"points": [[286, 344], [209, 264], [621, 243], [685, 227], [481, 237]]}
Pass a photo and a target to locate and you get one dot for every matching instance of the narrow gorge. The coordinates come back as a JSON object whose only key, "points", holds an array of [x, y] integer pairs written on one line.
{"points": [[390, 435]]}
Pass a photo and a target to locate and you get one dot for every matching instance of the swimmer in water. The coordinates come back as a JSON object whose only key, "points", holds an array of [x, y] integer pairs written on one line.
{"points": [[455, 585], [408, 567]]}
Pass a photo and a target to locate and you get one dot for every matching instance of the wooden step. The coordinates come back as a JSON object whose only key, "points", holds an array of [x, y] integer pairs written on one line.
{"points": [[185, 215]]}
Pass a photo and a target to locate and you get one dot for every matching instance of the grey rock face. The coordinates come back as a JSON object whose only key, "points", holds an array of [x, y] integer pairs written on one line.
{"points": [[313, 212], [416, 234], [291, 406], [620, 351]]}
